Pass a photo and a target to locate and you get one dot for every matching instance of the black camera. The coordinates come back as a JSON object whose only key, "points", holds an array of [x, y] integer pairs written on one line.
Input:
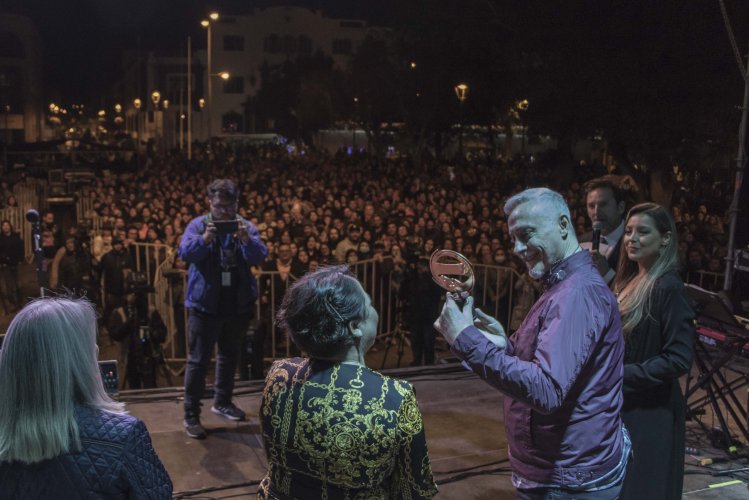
{"points": [[137, 282], [226, 226]]}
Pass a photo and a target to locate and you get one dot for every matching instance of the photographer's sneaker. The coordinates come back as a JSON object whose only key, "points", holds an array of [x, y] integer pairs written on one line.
{"points": [[228, 411], [194, 429]]}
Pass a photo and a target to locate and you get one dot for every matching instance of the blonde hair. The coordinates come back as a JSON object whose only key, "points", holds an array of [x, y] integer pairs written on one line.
{"points": [[48, 365], [635, 305]]}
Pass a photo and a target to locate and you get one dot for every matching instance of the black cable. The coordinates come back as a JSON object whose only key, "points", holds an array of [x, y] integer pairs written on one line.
{"points": [[209, 489], [474, 467], [466, 475]]}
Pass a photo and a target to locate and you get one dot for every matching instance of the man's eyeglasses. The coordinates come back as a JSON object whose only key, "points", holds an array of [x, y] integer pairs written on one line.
{"points": [[224, 207]]}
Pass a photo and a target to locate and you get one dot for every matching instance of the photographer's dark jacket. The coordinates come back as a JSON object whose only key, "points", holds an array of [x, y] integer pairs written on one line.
{"points": [[11, 249], [116, 461], [204, 274], [123, 324], [113, 265]]}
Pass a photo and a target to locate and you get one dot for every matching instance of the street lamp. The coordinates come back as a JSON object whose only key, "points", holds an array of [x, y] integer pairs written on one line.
{"points": [[137, 103], [207, 23], [356, 122], [158, 119], [461, 91], [522, 107]]}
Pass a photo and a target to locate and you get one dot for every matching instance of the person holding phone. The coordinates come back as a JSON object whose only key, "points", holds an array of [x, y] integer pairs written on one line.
{"points": [[221, 292]]}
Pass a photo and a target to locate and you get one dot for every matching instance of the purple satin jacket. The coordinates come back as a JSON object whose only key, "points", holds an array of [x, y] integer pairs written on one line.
{"points": [[562, 372]]}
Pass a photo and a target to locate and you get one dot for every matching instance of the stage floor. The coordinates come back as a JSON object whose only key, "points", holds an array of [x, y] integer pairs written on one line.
{"points": [[464, 428]]}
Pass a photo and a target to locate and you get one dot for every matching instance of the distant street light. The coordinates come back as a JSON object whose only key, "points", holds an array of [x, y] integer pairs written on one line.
{"points": [[522, 107], [207, 23], [137, 103], [356, 124], [461, 91]]}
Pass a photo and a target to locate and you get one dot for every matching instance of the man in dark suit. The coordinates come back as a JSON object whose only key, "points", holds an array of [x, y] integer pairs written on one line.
{"points": [[605, 202]]}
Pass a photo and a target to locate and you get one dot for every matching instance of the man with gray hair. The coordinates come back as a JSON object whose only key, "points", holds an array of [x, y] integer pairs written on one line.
{"points": [[561, 372]]}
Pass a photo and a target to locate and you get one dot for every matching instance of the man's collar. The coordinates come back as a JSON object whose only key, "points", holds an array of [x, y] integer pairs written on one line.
{"points": [[565, 267], [614, 236]]}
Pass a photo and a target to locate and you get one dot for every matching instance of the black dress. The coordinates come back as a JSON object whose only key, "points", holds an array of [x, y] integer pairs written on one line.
{"points": [[658, 351]]}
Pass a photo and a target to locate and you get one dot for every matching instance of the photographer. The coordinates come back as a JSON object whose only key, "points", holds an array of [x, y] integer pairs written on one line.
{"points": [[139, 332], [11, 254], [221, 292]]}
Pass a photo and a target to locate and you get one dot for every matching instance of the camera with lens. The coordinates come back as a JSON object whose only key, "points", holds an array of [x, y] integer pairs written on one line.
{"points": [[137, 282]]}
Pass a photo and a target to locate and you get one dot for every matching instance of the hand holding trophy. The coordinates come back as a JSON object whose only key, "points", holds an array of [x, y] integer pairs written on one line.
{"points": [[453, 272]]}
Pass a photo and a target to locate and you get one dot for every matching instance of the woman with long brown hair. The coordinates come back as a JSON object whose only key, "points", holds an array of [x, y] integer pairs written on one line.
{"points": [[657, 320]]}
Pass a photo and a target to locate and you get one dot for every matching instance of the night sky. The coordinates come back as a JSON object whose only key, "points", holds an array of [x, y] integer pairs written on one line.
{"points": [[83, 39]]}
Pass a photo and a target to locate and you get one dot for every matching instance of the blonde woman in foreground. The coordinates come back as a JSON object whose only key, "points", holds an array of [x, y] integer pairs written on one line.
{"points": [[61, 435]]}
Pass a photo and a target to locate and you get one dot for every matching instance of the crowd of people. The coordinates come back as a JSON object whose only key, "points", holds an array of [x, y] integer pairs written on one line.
{"points": [[323, 207], [315, 209]]}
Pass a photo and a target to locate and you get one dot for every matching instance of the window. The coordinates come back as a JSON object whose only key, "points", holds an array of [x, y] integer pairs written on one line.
{"points": [[304, 45], [271, 44], [342, 46], [233, 43], [234, 85], [232, 122], [289, 44], [11, 46]]}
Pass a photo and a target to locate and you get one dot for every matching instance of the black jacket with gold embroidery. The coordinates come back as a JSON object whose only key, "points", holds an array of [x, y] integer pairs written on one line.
{"points": [[340, 431]]}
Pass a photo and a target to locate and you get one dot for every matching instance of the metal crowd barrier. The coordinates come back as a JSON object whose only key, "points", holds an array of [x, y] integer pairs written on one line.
{"points": [[708, 280], [28, 194], [382, 285]]}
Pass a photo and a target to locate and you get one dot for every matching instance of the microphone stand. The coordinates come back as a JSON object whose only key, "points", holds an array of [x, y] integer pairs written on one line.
{"points": [[36, 235]]}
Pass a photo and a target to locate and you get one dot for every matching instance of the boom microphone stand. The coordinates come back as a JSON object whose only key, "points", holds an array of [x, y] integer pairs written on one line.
{"points": [[36, 235]]}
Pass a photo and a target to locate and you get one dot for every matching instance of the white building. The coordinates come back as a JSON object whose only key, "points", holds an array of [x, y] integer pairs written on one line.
{"points": [[21, 86], [241, 44]]}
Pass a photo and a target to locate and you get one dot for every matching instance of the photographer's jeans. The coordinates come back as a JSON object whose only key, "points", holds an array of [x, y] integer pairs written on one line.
{"points": [[203, 332]]}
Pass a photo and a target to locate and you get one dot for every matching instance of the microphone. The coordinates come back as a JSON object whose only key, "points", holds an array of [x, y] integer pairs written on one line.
{"points": [[596, 235], [32, 215]]}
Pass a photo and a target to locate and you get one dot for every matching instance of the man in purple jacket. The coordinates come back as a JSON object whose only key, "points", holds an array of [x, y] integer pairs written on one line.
{"points": [[561, 372]]}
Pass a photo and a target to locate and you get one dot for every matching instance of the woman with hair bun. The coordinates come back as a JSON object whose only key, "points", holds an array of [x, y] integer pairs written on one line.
{"points": [[332, 427]]}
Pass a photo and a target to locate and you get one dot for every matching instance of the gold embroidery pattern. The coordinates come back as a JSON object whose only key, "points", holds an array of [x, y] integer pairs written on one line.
{"points": [[336, 431]]}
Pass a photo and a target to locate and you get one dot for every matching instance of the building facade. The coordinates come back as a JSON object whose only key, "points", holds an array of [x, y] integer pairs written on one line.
{"points": [[243, 44], [21, 85]]}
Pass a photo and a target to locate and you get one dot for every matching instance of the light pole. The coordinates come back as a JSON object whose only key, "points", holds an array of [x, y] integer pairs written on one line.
{"points": [[356, 123], [461, 91], [5, 93], [156, 98], [201, 105], [137, 103], [207, 23], [165, 125], [522, 107]]}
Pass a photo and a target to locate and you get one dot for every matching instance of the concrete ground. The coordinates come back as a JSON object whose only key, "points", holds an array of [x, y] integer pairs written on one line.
{"points": [[462, 417]]}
